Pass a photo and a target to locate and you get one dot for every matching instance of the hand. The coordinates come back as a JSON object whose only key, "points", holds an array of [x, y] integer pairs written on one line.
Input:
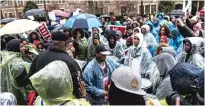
{"points": [[105, 93], [97, 41], [179, 22], [82, 89], [177, 102]]}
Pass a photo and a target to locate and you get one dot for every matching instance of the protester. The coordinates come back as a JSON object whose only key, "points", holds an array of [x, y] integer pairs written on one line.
{"points": [[53, 92], [80, 44], [126, 83], [128, 33], [70, 48], [68, 33], [138, 56], [57, 51], [165, 62], [114, 46], [33, 36], [191, 52], [13, 77], [148, 37], [91, 48], [94, 74]]}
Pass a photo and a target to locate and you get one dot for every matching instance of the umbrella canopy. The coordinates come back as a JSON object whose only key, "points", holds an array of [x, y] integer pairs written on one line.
{"points": [[7, 20], [19, 26], [33, 12], [83, 21], [60, 13], [177, 12]]}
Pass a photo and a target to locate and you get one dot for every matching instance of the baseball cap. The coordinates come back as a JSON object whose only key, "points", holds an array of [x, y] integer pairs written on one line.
{"points": [[128, 80], [59, 36], [102, 50]]}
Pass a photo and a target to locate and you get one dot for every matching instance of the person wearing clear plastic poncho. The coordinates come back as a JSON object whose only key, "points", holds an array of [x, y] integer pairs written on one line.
{"points": [[139, 56], [14, 70], [54, 85], [165, 62], [191, 52]]}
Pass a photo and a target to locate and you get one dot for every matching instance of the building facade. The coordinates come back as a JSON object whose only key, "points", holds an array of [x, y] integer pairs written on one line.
{"points": [[14, 8]]}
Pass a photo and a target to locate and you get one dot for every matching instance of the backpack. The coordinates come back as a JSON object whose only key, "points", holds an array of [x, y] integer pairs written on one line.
{"points": [[183, 78]]}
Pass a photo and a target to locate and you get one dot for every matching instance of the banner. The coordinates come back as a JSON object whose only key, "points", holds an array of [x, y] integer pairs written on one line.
{"points": [[44, 32], [122, 29], [52, 16]]}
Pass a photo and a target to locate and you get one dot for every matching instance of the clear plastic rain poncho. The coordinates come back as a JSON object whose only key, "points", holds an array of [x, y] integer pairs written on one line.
{"points": [[54, 85], [12, 66], [195, 57], [165, 62], [140, 58]]}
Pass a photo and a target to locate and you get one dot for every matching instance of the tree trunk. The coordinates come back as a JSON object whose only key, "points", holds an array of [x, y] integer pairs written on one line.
{"points": [[44, 4]]}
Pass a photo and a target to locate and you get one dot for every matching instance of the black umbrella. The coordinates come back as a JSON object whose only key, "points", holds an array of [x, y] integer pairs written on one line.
{"points": [[33, 12], [7, 20]]}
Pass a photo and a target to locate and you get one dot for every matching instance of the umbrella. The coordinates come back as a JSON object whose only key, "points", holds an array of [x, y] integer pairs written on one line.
{"points": [[33, 12], [19, 26], [7, 20], [104, 16], [60, 13], [177, 12], [83, 21]]}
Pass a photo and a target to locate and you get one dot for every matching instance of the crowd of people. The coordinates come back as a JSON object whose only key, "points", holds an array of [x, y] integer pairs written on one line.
{"points": [[153, 63]]}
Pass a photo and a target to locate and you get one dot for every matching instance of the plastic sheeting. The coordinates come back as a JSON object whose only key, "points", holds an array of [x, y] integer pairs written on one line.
{"points": [[53, 83]]}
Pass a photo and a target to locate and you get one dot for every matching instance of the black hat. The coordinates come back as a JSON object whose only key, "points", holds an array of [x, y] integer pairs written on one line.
{"points": [[59, 36], [102, 49], [129, 27]]}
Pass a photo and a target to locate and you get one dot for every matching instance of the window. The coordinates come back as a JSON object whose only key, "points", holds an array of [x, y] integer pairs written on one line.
{"points": [[10, 3], [123, 10], [20, 2], [153, 9], [5, 15], [10, 14], [147, 9], [63, 1], [20, 14]]}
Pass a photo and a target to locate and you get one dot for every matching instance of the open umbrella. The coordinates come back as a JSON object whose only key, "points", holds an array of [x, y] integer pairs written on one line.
{"points": [[19, 26], [60, 13], [7, 20], [83, 21], [33, 12]]}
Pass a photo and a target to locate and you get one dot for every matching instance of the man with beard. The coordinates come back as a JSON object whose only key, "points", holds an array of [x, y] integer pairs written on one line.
{"points": [[115, 47], [96, 72]]}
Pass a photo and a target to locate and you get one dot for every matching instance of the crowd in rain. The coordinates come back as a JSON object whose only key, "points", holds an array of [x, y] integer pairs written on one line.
{"points": [[159, 60]]}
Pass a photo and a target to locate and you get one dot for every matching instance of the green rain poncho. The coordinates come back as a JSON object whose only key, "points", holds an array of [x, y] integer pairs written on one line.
{"points": [[12, 66], [54, 85]]}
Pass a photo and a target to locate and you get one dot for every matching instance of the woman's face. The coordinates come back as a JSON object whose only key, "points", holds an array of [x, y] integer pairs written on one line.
{"points": [[134, 25], [33, 36], [40, 46], [187, 47], [22, 48], [78, 34], [162, 39], [24, 42], [162, 31], [67, 33], [136, 40], [95, 30], [196, 28]]}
